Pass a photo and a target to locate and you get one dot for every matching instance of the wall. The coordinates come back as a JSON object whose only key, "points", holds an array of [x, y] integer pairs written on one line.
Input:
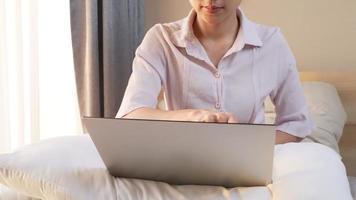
{"points": [[159, 11], [321, 33]]}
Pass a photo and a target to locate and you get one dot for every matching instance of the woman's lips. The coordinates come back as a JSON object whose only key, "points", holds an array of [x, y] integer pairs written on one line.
{"points": [[212, 8]]}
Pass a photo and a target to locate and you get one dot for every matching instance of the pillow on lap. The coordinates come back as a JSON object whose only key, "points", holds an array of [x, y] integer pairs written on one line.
{"points": [[59, 168], [8, 194], [70, 168]]}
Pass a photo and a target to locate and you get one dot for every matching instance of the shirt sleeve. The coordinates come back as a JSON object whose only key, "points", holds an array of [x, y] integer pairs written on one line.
{"points": [[147, 75], [292, 114]]}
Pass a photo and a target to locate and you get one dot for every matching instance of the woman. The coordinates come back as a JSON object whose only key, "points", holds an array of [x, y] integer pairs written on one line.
{"points": [[217, 66]]}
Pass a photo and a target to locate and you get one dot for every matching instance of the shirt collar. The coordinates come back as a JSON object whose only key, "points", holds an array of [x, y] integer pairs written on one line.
{"points": [[247, 33], [185, 34]]}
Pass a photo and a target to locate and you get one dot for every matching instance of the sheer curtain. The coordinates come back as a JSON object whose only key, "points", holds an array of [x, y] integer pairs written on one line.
{"points": [[38, 97]]}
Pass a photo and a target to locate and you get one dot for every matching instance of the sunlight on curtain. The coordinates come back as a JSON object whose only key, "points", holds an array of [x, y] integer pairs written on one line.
{"points": [[38, 97]]}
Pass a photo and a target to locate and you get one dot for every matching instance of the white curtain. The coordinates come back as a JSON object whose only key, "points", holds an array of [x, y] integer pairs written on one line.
{"points": [[38, 97]]}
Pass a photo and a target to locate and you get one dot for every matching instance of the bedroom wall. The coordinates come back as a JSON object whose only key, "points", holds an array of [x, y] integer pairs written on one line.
{"points": [[321, 33]]}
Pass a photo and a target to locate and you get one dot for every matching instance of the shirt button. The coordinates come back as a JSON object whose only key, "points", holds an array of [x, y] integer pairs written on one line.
{"points": [[218, 105], [217, 75]]}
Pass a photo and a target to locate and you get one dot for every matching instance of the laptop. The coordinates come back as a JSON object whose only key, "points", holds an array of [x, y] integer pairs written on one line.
{"points": [[185, 153]]}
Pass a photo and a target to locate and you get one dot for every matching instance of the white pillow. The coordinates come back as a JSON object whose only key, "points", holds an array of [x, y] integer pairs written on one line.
{"points": [[8, 194], [60, 168], [327, 113], [70, 168]]}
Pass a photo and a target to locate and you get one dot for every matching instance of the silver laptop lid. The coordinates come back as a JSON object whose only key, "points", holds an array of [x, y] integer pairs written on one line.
{"points": [[196, 153]]}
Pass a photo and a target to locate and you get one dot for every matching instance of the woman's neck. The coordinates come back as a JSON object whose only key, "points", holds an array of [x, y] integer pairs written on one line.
{"points": [[225, 30]]}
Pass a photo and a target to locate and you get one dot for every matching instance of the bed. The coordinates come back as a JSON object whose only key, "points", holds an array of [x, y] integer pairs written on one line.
{"points": [[70, 167]]}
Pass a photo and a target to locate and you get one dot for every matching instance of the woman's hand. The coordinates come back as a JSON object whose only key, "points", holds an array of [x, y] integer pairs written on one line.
{"points": [[197, 115], [201, 115]]}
